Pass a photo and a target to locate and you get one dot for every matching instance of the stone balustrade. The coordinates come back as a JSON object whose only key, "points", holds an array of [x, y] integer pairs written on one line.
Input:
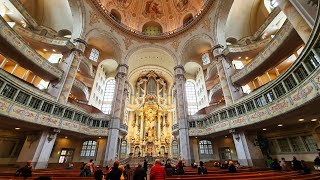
{"points": [[24, 102], [81, 86], [16, 48], [293, 89], [270, 55], [63, 44]]}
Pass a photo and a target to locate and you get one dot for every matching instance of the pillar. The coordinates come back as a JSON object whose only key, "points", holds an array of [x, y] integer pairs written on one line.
{"points": [[307, 9], [69, 64], [182, 111], [38, 147], [248, 154], [297, 21], [225, 70], [116, 112]]}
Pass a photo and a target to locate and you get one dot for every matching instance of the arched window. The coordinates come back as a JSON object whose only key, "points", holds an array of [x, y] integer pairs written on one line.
{"points": [[205, 59], [108, 96], [94, 55], [175, 149], [205, 149], [191, 98], [123, 149], [89, 148], [152, 28]]}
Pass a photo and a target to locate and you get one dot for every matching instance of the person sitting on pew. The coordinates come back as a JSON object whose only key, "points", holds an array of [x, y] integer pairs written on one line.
{"points": [[25, 171], [70, 166], [224, 165], [305, 168], [216, 164], [283, 164], [179, 168], [98, 174], [202, 169], [296, 165], [232, 167], [169, 169], [275, 165]]}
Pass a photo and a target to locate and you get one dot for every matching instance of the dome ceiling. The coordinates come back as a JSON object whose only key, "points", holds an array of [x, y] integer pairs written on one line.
{"points": [[170, 14]]}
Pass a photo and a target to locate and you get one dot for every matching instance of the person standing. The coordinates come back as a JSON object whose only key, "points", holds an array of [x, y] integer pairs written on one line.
{"points": [[296, 165], [89, 168], [145, 165], [114, 173], [157, 172], [139, 173]]}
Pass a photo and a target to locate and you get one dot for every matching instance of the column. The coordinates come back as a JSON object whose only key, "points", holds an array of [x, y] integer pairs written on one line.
{"points": [[307, 9], [117, 110], [225, 70], [297, 21], [4, 62], [69, 64], [38, 148], [248, 154], [182, 112]]}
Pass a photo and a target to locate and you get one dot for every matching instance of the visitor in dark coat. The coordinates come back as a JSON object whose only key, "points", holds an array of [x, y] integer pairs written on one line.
{"points": [[139, 173], [114, 172]]}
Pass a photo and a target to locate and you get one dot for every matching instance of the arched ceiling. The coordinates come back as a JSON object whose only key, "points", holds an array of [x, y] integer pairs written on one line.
{"points": [[151, 57], [245, 17], [168, 13]]}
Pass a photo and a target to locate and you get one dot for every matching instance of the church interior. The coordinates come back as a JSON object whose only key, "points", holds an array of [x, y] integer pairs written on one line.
{"points": [[129, 80]]}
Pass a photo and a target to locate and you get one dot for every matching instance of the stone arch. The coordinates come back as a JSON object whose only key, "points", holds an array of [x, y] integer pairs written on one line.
{"points": [[111, 44], [222, 12], [115, 15], [155, 46], [186, 19], [78, 14], [196, 46]]}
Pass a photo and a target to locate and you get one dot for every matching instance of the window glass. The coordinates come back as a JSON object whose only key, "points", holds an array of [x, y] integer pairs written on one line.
{"points": [[191, 98], [108, 96], [88, 148], [205, 59], [94, 55]]}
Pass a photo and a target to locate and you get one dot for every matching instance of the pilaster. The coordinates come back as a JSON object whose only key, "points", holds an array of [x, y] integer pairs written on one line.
{"points": [[69, 65]]}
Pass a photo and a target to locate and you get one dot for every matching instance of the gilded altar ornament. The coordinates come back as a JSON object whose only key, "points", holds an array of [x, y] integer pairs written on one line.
{"points": [[151, 132]]}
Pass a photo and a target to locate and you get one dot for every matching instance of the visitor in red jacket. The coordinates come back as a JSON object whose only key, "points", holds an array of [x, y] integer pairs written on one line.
{"points": [[157, 172]]}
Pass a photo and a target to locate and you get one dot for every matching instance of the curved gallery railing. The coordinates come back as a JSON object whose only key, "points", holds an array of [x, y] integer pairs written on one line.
{"points": [[298, 86], [82, 87], [143, 35], [277, 49], [23, 102], [86, 66], [19, 6], [14, 47], [63, 44]]}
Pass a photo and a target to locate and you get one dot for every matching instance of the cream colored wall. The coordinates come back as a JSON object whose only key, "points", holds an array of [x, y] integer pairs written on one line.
{"points": [[14, 136], [218, 142], [245, 18], [200, 84], [98, 88], [76, 144], [35, 8]]}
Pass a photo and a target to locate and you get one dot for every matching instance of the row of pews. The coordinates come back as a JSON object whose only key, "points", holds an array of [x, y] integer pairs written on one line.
{"points": [[190, 174]]}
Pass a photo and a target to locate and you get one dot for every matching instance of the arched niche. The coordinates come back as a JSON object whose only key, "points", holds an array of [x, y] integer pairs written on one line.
{"points": [[115, 15], [152, 28], [64, 33], [187, 19]]}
